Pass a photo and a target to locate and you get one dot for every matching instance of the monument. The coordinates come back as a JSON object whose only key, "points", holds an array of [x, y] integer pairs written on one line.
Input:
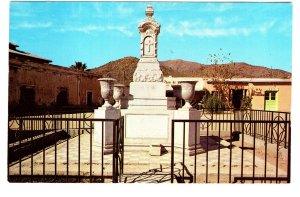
{"points": [[148, 120], [147, 87]]}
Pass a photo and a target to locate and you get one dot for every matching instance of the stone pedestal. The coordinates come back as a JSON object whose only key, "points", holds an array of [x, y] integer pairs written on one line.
{"points": [[188, 140], [105, 129], [146, 127], [151, 95]]}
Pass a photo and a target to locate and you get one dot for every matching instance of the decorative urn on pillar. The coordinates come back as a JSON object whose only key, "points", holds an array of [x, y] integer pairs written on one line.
{"points": [[118, 92], [187, 92], [106, 86]]}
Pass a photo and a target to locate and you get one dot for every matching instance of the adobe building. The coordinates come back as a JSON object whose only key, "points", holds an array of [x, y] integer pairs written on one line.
{"points": [[34, 82], [270, 94]]}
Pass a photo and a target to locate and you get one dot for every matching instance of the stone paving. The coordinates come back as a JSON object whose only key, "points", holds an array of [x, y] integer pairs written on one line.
{"points": [[139, 166]]}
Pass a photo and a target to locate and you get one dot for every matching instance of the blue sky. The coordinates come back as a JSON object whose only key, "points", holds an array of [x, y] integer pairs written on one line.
{"points": [[98, 32]]}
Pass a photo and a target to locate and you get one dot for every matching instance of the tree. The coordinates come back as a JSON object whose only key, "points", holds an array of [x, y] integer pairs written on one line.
{"points": [[79, 66], [221, 73]]}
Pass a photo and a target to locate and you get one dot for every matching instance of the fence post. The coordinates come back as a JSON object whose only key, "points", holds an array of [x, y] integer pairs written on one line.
{"points": [[113, 154], [272, 128], [172, 151], [289, 155]]}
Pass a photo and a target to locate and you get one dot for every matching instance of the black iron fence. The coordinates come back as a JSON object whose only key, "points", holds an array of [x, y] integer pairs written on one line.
{"points": [[50, 111], [43, 148], [233, 146], [221, 147]]}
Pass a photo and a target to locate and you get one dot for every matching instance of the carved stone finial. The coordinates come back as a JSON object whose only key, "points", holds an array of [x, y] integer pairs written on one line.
{"points": [[149, 11]]}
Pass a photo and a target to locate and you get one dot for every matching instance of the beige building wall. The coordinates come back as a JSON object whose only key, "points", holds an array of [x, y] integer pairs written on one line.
{"points": [[258, 102], [47, 81], [284, 92]]}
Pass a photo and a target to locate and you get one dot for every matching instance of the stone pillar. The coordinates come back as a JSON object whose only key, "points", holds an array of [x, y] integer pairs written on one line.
{"points": [[105, 128], [103, 131], [190, 131], [187, 134]]}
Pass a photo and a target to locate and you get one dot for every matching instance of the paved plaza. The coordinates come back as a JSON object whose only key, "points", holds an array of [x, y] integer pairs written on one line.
{"points": [[140, 166]]}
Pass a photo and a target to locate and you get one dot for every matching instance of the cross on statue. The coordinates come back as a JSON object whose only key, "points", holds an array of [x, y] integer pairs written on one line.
{"points": [[148, 46]]}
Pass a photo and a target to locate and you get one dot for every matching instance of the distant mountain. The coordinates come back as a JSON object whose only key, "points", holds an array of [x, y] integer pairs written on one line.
{"points": [[123, 69]]}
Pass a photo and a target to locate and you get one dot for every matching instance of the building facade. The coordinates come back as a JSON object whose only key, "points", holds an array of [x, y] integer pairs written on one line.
{"points": [[35, 82], [268, 94]]}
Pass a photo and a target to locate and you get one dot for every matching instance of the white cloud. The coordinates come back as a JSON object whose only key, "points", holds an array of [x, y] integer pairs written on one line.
{"points": [[264, 28], [20, 9], [121, 9], [121, 29], [100, 28], [219, 27], [219, 21], [84, 29], [27, 25], [285, 28], [208, 32], [217, 7]]}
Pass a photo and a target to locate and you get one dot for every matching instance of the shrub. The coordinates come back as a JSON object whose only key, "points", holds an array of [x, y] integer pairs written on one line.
{"points": [[213, 103]]}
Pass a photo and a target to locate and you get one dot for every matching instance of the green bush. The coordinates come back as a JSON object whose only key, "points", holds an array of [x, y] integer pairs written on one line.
{"points": [[213, 103]]}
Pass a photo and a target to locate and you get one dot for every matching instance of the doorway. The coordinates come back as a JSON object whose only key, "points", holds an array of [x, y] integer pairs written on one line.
{"points": [[27, 96], [89, 98], [237, 96], [62, 97]]}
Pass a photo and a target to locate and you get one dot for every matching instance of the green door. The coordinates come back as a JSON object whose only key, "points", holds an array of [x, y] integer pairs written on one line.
{"points": [[271, 101]]}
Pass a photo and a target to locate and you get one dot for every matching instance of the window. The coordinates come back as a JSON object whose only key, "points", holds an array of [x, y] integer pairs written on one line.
{"points": [[273, 96], [267, 95], [271, 100]]}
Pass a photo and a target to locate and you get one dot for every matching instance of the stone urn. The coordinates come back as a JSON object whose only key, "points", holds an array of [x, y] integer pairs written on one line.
{"points": [[177, 94], [118, 92], [106, 85], [187, 92]]}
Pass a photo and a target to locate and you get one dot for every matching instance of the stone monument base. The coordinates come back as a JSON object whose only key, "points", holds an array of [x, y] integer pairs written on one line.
{"points": [[147, 127], [148, 95], [144, 128], [103, 131]]}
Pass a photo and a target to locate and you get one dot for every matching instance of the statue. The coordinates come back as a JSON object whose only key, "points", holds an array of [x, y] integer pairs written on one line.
{"points": [[149, 30]]}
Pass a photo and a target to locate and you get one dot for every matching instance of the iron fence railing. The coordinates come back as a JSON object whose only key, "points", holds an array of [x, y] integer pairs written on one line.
{"points": [[44, 148], [221, 147], [259, 153]]}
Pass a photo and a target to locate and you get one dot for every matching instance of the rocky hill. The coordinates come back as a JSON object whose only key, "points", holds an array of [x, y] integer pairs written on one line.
{"points": [[123, 69]]}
